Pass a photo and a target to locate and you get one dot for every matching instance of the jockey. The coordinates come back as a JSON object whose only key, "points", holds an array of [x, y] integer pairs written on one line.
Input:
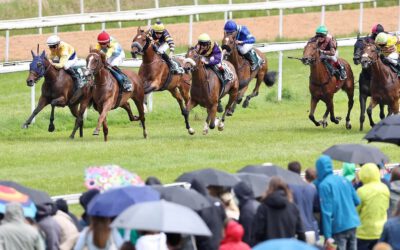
{"points": [[327, 47], [115, 55], [376, 29], [390, 47], [211, 55], [163, 40], [63, 56], [244, 41]]}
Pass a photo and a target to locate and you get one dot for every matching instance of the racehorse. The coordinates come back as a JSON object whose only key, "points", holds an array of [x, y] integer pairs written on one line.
{"points": [[57, 88], [156, 75], [364, 82], [206, 89], [106, 95], [243, 70], [323, 85], [385, 84]]}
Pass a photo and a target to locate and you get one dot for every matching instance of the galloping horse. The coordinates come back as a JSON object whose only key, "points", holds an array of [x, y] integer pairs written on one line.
{"points": [[57, 88], [105, 93], [364, 82], [243, 70], [156, 75], [385, 85], [206, 90], [323, 85]]}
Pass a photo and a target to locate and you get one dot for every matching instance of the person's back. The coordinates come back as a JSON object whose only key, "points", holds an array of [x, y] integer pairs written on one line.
{"points": [[233, 237], [391, 230]]}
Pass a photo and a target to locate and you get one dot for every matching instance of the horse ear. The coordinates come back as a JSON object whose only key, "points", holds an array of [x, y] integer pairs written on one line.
{"points": [[38, 49], [43, 54], [33, 54]]}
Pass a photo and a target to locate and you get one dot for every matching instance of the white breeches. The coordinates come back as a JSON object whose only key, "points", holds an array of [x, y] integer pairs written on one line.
{"points": [[116, 60], [163, 48], [70, 63], [393, 58], [244, 48], [333, 58]]}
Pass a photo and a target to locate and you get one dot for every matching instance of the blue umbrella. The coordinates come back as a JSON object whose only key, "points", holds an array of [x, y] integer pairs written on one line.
{"points": [[284, 244], [112, 202]]}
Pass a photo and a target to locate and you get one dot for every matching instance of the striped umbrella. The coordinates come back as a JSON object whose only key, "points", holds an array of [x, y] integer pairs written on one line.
{"points": [[8, 194]]}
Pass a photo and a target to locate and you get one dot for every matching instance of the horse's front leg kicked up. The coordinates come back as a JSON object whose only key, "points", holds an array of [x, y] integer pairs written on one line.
{"points": [[41, 104]]}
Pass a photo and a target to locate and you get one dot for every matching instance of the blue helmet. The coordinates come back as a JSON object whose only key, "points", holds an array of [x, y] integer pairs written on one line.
{"points": [[230, 26]]}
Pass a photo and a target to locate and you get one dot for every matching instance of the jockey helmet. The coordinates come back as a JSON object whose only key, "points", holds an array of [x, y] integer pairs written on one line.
{"points": [[322, 30], [204, 39], [230, 26], [377, 28], [158, 27], [53, 40], [381, 38], [103, 38]]}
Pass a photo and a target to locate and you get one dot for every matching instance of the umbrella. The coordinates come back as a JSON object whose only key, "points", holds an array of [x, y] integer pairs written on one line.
{"points": [[210, 177], [8, 194], [284, 244], [38, 197], [387, 130], [186, 197], [356, 153], [162, 216], [272, 170], [112, 202], [258, 183]]}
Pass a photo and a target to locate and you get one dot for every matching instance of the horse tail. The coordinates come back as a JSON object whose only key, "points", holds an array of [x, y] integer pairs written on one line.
{"points": [[269, 78]]}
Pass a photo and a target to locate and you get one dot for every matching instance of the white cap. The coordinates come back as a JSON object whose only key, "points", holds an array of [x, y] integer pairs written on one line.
{"points": [[53, 40]]}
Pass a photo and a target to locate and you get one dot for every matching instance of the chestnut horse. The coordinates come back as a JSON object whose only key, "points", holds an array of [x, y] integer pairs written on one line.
{"points": [[206, 90], [385, 84], [323, 85], [105, 93], [244, 73], [156, 75], [57, 88]]}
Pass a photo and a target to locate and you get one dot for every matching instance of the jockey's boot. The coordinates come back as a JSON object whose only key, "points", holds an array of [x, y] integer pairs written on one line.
{"points": [[342, 71], [122, 79], [253, 59], [173, 66], [78, 84], [220, 71]]}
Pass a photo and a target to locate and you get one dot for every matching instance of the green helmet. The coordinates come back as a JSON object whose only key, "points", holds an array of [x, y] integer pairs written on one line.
{"points": [[322, 30], [381, 38]]}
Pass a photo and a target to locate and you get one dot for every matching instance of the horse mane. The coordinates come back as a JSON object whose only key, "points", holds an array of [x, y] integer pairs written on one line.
{"points": [[101, 54]]}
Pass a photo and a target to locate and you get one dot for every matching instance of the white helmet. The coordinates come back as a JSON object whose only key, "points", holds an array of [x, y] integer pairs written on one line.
{"points": [[53, 40]]}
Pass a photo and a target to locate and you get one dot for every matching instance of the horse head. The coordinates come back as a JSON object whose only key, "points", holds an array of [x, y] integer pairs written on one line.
{"points": [[95, 61], [370, 55], [358, 48], [310, 53], [140, 42], [37, 68], [192, 59], [229, 43]]}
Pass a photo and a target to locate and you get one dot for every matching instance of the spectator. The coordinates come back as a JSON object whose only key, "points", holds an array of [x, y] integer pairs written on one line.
{"points": [[62, 205], [295, 167], [391, 230], [233, 237], [84, 200], [128, 246], [50, 228], [382, 246], [338, 201], [277, 216], [310, 175], [15, 233], [349, 172], [69, 232], [231, 209], [248, 206], [394, 189], [152, 241], [152, 181]]}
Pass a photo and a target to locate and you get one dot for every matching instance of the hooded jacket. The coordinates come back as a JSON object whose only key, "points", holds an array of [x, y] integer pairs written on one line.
{"points": [[374, 196], [338, 199], [233, 237], [394, 196]]}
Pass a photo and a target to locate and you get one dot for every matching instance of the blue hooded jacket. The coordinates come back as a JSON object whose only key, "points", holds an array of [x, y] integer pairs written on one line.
{"points": [[338, 199], [244, 35]]}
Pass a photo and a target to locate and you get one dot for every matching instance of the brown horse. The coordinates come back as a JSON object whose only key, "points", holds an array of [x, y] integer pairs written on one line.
{"points": [[385, 84], [57, 88], [243, 70], [206, 90], [105, 93], [156, 75], [323, 85]]}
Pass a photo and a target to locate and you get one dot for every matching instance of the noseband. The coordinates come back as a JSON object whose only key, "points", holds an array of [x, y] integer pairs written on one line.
{"points": [[39, 71]]}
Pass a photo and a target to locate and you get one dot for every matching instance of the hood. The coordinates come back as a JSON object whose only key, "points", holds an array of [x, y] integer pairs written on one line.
{"points": [[349, 171], [395, 187], [44, 210], [233, 232], [324, 167], [87, 196], [14, 213], [199, 187], [369, 173], [277, 200], [243, 192]]}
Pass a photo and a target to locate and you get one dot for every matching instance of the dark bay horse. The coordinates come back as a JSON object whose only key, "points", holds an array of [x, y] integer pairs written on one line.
{"points": [[243, 70], [57, 88], [105, 93], [385, 84], [206, 90], [364, 82], [323, 86], [156, 75]]}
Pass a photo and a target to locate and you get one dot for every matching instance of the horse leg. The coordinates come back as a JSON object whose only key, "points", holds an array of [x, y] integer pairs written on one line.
{"points": [[324, 121], [55, 102], [190, 105], [179, 98], [128, 110], [381, 111], [350, 103], [313, 105], [330, 107], [140, 108], [363, 99], [231, 102], [103, 114], [105, 129], [212, 116], [255, 90], [237, 101], [51, 125], [372, 105], [79, 118], [41, 104]]}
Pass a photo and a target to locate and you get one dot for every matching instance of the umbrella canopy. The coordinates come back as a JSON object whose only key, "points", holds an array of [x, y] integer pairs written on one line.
{"points": [[210, 177], [112, 202], [258, 183], [38, 197], [356, 153], [162, 216], [387, 130], [284, 244], [186, 197], [8, 194], [272, 170]]}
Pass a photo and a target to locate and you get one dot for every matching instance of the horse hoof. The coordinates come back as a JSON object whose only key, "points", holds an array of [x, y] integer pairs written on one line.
{"points": [[348, 126], [135, 118], [51, 128], [245, 103], [221, 127], [220, 109], [324, 124], [230, 112], [205, 132], [25, 126], [95, 132], [71, 137], [191, 131]]}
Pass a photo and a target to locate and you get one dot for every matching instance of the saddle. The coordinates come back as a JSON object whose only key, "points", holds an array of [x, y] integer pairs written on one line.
{"points": [[177, 67], [333, 71]]}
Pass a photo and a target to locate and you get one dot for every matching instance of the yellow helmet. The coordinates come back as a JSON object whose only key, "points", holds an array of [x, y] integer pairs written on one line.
{"points": [[158, 27], [381, 38], [204, 38]]}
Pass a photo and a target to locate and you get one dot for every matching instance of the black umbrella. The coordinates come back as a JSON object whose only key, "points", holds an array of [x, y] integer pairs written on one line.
{"points": [[186, 197], [210, 177], [272, 170], [38, 197], [258, 183], [356, 153], [387, 130]]}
